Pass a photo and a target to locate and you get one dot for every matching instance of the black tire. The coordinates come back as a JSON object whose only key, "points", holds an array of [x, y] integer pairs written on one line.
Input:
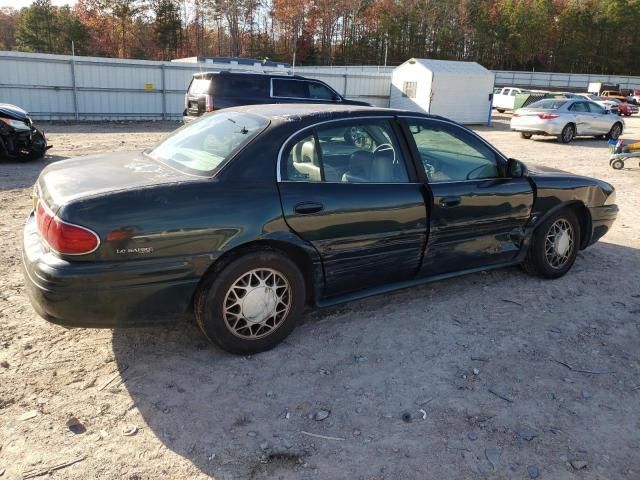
{"points": [[526, 135], [500, 110], [538, 260], [615, 132], [568, 133], [617, 164], [216, 289], [38, 145]]}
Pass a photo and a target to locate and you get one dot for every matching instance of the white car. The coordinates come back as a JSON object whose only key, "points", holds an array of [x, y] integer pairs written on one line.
{"points": [[566, 119], [505, 98], [605, 103]]}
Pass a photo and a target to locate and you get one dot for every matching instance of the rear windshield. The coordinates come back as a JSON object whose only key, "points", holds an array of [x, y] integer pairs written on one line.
{"points": [[203, 146], [200, 86], [548, 104]]}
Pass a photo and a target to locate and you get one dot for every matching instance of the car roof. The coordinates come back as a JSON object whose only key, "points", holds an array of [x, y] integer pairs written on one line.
{"points": [[287, 112], [211, 74]]}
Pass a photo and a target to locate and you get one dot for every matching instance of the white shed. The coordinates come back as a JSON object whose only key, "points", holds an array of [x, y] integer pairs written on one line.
{"points": [[460, 91]]}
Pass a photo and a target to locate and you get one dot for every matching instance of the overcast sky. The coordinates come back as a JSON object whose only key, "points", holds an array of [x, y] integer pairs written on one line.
{"points": [[25, 3]]}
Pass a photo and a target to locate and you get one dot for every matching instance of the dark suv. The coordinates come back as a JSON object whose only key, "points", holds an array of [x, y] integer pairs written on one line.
{"points": [[210, 91]]}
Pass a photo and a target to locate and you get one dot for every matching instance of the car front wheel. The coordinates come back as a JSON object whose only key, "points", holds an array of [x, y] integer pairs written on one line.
{"points": [[554, 245], [615, 132], [251, 304], [526, 135]]}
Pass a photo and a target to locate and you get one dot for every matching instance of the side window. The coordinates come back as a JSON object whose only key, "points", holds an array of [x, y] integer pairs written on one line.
{"points": [[409, 89], [450, 154], [579, 107], [317, 91], [240, 86], [347, 152], [303, 164], [513, 92], [290, 88], [595, 108]]}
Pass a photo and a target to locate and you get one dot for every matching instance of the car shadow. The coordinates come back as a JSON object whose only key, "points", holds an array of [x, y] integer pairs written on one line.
{"points": [[373, 368]]}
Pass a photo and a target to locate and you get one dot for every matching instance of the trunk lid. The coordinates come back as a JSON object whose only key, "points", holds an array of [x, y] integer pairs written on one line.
{"points": [[95, 175]]}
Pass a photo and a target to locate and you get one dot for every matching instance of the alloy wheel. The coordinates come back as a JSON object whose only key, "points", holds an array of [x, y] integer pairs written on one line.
{"points": [[559, 243], [257, 303], [615, 131]]}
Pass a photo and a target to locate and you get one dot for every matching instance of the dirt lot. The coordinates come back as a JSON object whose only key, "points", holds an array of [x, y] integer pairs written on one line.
{"points": [[459, 379]]}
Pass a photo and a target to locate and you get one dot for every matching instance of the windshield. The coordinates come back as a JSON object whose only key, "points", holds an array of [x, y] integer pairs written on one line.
{"points": [[199, 86], [203, 146], [548, 104]]}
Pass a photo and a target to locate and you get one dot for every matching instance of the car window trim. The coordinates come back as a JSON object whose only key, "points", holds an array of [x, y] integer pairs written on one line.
{"points": [[500, 157], [303, 98], [313, 127]]}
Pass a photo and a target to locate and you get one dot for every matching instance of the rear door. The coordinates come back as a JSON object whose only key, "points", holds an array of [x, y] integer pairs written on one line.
{"points": [[196, 99], [477, 215], [346, 188]]}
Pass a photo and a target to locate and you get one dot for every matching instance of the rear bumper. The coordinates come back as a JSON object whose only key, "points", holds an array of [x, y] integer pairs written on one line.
{"points": [[536, 126], [105, 294], [602, 219]]}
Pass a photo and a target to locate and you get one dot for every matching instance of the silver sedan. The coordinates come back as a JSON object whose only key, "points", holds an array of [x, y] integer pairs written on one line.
{"points": [[566, 119]]}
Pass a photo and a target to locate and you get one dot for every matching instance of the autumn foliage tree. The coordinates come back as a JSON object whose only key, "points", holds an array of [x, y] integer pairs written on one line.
{"points": [[596, 36]]}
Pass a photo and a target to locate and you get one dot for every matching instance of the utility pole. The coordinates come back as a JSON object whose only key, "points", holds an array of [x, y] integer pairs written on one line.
{"points": [[386, 47]]}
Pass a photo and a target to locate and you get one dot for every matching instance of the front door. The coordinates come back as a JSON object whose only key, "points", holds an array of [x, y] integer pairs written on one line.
{"points": [[584, 118], [346, 189], [477, 215]]}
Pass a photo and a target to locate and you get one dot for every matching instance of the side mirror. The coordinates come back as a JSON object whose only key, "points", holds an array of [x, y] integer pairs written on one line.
{"points": [[516, 169]]}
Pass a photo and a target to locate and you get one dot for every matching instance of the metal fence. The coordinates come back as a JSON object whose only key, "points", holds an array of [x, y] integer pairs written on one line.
{"points": [[561, 81], [61, 87]]}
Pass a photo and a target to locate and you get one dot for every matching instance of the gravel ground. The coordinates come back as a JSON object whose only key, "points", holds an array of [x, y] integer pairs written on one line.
{"points": [[492, 375]]}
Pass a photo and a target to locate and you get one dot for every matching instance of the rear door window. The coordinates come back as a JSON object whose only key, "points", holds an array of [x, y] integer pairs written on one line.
{"points": [[290, 88], [200, 86], [364, 151], [240, 86]]}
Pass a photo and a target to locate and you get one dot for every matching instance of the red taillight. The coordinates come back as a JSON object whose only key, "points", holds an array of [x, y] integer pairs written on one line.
{"points": [[547, 116], [208, 106], [64, 237], [516, 115]]}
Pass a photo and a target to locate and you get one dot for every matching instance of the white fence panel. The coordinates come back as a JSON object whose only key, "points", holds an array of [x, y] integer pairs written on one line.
{"points": [[91, 88]]}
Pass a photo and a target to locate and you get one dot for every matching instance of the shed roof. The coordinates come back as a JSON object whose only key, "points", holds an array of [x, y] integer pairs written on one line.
{"points": [[451, 67]]}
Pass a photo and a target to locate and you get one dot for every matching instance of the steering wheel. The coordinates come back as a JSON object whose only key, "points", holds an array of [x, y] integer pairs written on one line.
{"points": [[383, 147], [475, 170]]}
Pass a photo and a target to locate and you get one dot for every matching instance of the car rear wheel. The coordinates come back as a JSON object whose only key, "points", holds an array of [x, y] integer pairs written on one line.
{"points": [[500, 110], [615, 132], [526, 135], [567, 134], [617, 164], [554, 245], [252, 303]]}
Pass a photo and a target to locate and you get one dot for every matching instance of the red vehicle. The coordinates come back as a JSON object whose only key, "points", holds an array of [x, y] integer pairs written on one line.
{"points": [[625, 108]]}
